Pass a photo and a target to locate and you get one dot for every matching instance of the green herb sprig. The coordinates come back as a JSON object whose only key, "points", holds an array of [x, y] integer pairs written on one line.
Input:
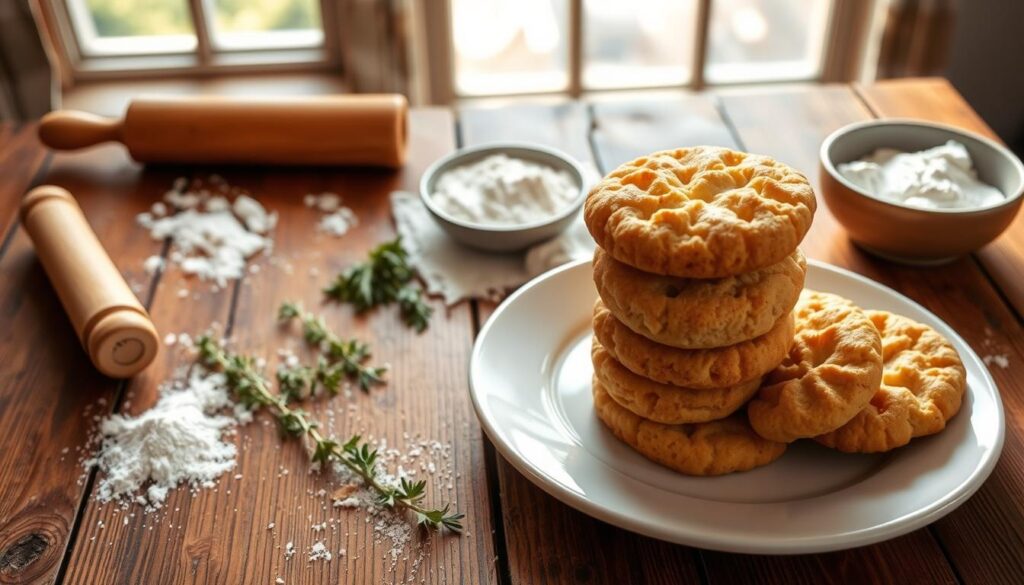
{"points": [[253, 390], [342, 357], [383, 278]]}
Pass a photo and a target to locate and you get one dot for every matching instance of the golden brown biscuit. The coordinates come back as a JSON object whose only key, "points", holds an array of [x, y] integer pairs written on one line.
{"points": [[665, 403], [709, 448], [700, 212], [699, 314], [833, 369], [923, 383], [693, 368]]}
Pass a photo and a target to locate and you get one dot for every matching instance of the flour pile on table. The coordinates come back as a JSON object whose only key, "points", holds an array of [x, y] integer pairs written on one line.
{"points": [[179, 440], [212, 235], [338, 219]]}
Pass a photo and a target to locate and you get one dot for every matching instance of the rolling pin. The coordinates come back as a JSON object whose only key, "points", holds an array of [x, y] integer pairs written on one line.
{"points": [[114, 328], [365, 130]]}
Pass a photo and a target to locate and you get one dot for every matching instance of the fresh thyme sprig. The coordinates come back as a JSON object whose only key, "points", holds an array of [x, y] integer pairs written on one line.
{"points": [[344, 357], [383, 278], [252, 389]]}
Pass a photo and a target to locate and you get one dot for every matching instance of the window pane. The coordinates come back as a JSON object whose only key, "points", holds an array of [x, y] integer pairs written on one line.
{"points": [[761, 40], [265, 24], [638, 43], [120, 27], [510, 46]]}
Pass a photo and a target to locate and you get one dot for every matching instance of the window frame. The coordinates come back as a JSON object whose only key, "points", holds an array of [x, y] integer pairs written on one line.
{"points": [[204, 60], [847, 40]]}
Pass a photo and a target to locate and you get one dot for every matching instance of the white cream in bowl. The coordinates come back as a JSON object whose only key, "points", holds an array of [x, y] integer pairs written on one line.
{"points": [[942, 177]]}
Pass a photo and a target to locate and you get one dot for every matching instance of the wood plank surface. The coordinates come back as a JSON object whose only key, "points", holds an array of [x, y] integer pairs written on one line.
{"points": [[627, 130], [563, 126], [50, 389], [936, 100], [222, 536], [22, 158]]}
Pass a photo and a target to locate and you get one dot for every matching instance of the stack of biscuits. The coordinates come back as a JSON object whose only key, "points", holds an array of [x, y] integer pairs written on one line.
{"points": [[698, 271], [709, 357]]}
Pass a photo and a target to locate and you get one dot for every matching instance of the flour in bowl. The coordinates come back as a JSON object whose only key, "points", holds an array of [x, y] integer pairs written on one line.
{"points": [[500, 190]]}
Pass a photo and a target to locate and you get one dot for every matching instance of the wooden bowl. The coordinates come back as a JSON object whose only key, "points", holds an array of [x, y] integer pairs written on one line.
{"points": [[912, 235]]}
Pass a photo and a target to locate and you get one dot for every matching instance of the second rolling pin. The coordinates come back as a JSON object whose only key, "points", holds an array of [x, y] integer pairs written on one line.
{"points": [[362, 129], [113, 327]]}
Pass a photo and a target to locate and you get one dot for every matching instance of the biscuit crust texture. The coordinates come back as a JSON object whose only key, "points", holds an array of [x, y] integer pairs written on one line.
{"points": [[700, 212], [923, 383], [693, 368], [699, 314], [833, 369], [710, 448], [665, 403]]}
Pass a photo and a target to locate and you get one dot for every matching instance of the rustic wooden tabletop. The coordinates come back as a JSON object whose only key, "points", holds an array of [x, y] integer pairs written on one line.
{"points": [[52, 529]]}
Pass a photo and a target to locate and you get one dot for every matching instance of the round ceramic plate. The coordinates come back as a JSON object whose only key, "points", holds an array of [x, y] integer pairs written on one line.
{"points": [[530, 380]]}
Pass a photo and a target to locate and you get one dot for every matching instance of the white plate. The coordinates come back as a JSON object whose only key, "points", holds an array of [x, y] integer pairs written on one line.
{"points": [[530, 381]]}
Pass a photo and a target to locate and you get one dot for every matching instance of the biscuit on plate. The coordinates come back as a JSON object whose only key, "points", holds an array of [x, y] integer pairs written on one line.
{"points": [[709, 448], [833, 369], [666, 403], [698, 314], [923, 383], [700, 212], [693, 368]]}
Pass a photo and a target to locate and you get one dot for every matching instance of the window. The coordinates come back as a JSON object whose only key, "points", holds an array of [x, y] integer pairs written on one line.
{"points": [[510, 46], [765, 40], [114, 36], [503, 47]]}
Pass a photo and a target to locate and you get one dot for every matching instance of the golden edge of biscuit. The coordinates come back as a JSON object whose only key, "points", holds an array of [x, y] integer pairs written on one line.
{"points": [[631, 296], [665, 403], [688, 449], [699, 369], [826, 395], [897, 414]]}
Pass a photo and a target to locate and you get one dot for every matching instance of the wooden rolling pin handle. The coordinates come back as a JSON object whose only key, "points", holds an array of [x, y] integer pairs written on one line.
{"points": [[71, 130], [112, 325]]}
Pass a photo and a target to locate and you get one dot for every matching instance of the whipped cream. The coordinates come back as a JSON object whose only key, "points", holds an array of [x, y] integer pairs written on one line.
{"points": [[500, 190], [942, 177]]}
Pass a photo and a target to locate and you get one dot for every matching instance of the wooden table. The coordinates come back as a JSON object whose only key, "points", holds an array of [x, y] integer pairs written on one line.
{"points": [[51, 529]]}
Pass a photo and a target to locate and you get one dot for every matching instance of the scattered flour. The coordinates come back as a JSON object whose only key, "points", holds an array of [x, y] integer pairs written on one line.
{"points": [[326, 202], [338, 219], [153, 264], [319, 552], [178, 440], [338, 223], [211, 237], [1002, 360]]}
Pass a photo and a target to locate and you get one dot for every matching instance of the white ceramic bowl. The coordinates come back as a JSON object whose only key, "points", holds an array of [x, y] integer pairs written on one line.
{"points": [[913, 235], [504, 238]]}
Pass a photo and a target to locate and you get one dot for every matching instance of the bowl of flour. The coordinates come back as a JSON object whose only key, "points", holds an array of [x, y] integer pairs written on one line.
{"points": [[919, 193], [504, 197]]}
